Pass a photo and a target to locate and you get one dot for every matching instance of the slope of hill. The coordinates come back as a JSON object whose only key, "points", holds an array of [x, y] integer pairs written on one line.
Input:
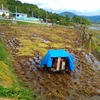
{"points": [[93, 19], [26, 42]]}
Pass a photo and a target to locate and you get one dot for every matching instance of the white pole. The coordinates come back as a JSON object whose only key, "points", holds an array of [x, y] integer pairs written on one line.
{"points": [[63, 65], [58, 64], [16, 12], [46, 19], [32, 13], [2, 6]]}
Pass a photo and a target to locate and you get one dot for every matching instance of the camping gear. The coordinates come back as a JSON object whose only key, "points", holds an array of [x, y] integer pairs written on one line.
{"points": [[60, 53], [58, 64]]}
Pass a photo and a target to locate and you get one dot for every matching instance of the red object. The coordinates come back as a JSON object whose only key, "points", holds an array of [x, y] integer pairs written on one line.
{"points": [[55, 65]]}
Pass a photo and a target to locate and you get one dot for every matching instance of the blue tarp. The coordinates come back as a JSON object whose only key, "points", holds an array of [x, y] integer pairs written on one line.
{"points": [[57, 53]]}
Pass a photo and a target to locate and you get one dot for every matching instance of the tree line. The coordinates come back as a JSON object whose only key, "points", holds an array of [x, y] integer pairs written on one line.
{"points": [[34, 11]]}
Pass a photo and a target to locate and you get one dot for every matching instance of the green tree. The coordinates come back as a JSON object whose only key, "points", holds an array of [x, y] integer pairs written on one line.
{"points": [[76, 19], [3, 15], [80, 20], [4, 4], [67, 20], [10, 15], [85, 21], [63, 21]]}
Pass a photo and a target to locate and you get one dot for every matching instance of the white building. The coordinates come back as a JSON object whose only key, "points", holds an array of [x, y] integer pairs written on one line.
{"points": [[19, 15], [6, 12]]}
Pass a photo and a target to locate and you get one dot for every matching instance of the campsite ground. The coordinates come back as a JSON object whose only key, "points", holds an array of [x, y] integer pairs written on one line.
{"points": [[25, 42]]}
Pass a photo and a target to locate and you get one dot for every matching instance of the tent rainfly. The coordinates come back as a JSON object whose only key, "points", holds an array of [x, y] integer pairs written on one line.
{"points": [[61, 53]]}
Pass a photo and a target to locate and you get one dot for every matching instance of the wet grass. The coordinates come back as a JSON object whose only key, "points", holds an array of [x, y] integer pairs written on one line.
{"points": [[4, 22], [16, 93], [38, 39], [9, 84], [4, 54]]}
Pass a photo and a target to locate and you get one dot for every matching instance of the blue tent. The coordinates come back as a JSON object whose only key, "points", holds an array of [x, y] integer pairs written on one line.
{"points": [[57, 53]]}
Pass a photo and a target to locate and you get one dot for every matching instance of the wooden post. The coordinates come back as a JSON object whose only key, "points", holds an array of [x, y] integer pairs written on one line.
{"points": [[90, 46], [58, 64], [63, 65]]}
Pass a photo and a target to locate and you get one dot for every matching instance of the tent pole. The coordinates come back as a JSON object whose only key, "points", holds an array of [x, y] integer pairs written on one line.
{"points": [[63, 65], [58, 64]]}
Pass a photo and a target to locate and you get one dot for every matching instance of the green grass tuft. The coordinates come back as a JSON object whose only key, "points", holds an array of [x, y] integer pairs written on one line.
{"points": [[22, 93]]}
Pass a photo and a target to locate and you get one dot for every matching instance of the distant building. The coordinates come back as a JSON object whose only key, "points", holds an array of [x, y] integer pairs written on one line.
{"points": [[23, 17], [19, 15], [6, 12]]}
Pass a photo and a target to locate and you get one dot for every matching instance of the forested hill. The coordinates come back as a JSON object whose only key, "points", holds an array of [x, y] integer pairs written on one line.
{"points": [[31, 9], [37, 12], [93, 19], [67, 13]]}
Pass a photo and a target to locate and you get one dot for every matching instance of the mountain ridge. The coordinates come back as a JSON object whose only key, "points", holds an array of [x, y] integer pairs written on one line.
{"points": [[67, 13], [93, 19]]}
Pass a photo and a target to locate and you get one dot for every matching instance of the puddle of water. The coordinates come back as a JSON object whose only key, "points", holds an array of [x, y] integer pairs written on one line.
{"points": [[78, 67], [92, 61], [2, 38], [3, 35], [31, 60], [34, 35], [28, 73], [28, 63], [94, 28], [11, 44], [43, 40]]}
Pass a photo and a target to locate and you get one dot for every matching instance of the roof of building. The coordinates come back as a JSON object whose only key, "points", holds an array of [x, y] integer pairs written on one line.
{"points": [[4, 10], [20, 13]]}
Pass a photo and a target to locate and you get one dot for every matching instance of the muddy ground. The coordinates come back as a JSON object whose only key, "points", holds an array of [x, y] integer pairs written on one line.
{"points": [[28, 45]]}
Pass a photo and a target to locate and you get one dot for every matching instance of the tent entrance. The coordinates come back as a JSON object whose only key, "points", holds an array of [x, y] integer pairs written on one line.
{"points": [[60, 64]]}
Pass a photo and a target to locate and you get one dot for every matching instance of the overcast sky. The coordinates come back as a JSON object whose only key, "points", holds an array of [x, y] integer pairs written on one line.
{"points": [[88, 7]]}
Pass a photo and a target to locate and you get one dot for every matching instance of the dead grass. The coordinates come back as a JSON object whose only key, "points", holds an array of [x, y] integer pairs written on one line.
{"points": [[32, 39]]}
